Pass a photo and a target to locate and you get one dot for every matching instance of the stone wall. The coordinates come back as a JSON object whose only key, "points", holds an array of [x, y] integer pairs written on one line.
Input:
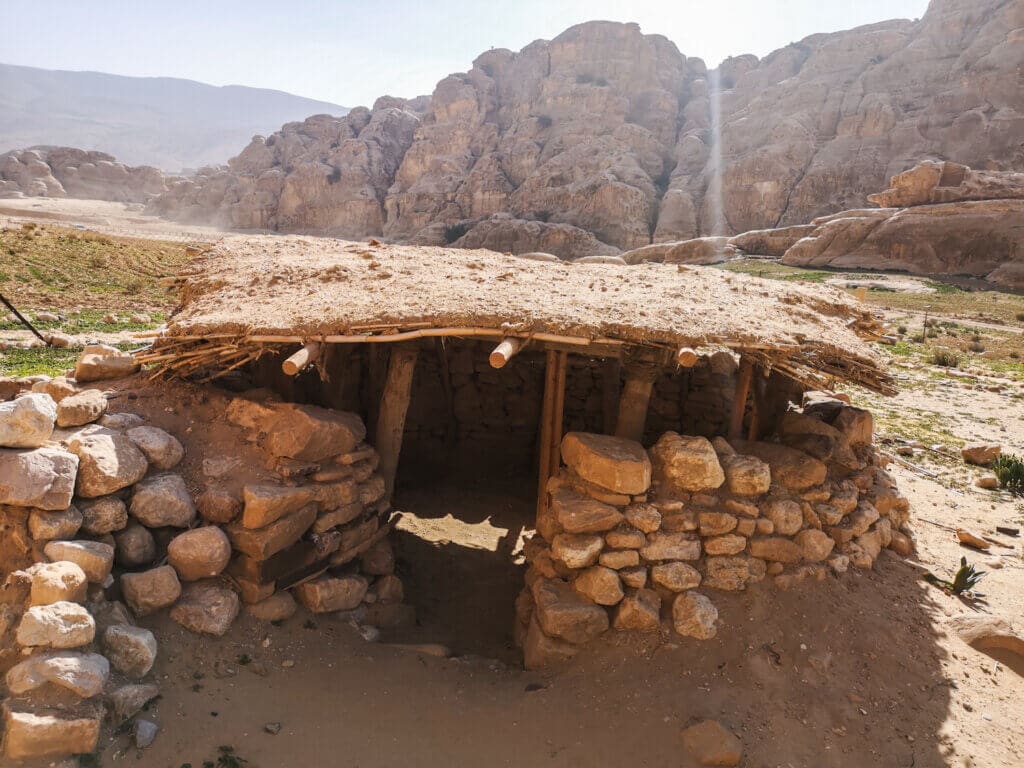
{"points": [[101, 525], [640, 540], [507, 402]]}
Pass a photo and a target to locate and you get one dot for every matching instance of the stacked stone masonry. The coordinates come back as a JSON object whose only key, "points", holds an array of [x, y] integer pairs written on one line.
{"points": [[636, 539], [99, 528]]}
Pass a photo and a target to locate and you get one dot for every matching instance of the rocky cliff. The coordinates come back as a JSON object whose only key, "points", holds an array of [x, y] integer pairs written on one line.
{"points": [[602, 140], [937, 218], [69, 172]]}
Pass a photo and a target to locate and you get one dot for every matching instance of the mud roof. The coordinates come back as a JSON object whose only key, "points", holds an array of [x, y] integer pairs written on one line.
{"points": [[251, 290]]}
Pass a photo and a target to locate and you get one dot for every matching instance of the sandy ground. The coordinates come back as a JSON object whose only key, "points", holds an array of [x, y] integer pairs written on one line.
{"points": [[102, 216], [856, 671]]}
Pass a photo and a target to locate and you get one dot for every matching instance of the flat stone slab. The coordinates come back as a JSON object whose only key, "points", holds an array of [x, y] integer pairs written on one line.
{"points": [[615, 463]]}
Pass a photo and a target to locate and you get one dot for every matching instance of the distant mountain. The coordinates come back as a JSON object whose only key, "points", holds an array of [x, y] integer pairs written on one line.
{"points": [[166, 122]]}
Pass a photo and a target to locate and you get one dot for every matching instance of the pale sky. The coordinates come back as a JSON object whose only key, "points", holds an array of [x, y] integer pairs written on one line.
{"points": [[349, 52]]}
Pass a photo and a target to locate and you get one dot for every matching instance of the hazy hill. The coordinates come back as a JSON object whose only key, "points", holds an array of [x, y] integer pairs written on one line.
{"points": [[166, 122]]}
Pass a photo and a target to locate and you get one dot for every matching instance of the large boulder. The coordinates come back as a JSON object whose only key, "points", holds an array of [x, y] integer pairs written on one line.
{"points": [[81, 673], [163, 500], [199, 553], [100, 361], [311, 433], [27, 421], [95, 558], [81, 408], [332, 593], [46, 525], [43, 478], [564, 613], [103, 515], [56, 582], [57, 625], [131, 650], [29, 735], [149, 591], [206, 607], [162, 450], [614, 463], [577, 513], [694, 615], [107, 463], [685, 464], [790, 468]]}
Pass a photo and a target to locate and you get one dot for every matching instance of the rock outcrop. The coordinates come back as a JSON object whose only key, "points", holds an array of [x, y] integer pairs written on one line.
{"points": [[70, 172], [606, 133], [953, 221]]}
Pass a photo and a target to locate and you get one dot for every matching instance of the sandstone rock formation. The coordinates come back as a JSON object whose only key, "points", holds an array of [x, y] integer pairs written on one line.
{"points": [[69, 172], [957, 221], [600, 140]]}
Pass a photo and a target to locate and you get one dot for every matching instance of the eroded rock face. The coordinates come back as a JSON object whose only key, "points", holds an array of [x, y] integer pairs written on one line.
{"points": [[70, 172], [605, 133]]}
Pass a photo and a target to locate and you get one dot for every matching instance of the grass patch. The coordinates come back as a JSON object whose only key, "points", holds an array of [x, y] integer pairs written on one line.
{"points": [[52, 361], [52, 268], [772, 270]]}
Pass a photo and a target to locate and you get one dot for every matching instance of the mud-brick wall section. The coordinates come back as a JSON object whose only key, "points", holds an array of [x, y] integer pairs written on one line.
{"points": [[98, 528], [641, 540]]}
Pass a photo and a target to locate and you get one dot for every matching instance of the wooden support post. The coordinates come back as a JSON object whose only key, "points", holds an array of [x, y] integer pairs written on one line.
{"points": [[546, 427], [633, 403], [394, 403], [757, 405], [452, 428], [301, 359], [558, 412], [739, 403], [611, 373], [505, 351]]}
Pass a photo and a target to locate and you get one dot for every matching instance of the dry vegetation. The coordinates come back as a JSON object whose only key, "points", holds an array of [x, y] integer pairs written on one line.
{"points": [[45, 267]]}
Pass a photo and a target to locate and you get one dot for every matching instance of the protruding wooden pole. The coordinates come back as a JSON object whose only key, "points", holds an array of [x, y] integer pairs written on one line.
{"points": [[687, 357], [739, 403], [301, 359], [505, 351], [394, 404], [633, 403]]}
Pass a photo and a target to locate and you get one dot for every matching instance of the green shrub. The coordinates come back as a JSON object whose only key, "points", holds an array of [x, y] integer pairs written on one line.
{"points": [[901, 330], [1010, 471], [947, 358], [453, 232]]}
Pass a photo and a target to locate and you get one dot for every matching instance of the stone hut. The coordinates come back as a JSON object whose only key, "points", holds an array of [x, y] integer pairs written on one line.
{"points": [[672, 419]]}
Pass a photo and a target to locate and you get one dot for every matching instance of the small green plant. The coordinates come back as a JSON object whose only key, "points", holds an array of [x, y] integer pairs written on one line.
{"points": [[901, 330], [917, 338], [946, 358], [453, 232], [228, 759], [964, 580], [1009, 469], [244, 659]]}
